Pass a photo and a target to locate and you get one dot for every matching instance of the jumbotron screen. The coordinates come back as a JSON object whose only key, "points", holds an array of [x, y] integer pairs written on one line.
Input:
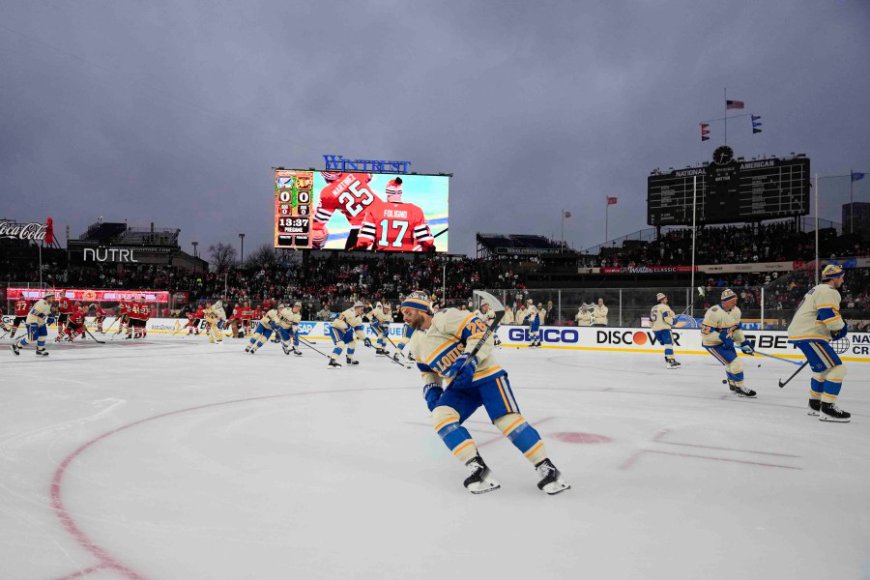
{"points": [[364, 212]]}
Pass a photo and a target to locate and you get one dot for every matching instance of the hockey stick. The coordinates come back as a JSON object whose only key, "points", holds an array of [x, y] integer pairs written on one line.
{"points": [[312, 347], [384, 332], [793, 375], [498, 308], [94, 337], [789, 361], [444, 231], [391, 359]]}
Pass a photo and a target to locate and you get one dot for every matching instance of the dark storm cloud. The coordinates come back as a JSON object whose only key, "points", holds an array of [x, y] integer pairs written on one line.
{"points": [[174, 112]]}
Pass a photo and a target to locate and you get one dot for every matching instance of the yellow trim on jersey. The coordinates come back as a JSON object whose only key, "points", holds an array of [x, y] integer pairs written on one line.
{"points": [[514, 425], [447, 421], [833, 306], [822, 354], [487, 372], [462, 446], [440, 350], [534, 449], [827, 320], [462, 326], [809, 337]]}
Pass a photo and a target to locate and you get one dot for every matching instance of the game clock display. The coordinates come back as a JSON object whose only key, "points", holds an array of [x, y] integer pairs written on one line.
{"points": [[293, 208]]}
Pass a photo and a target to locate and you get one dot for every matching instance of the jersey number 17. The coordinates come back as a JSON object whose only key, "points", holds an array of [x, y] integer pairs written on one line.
{"points": [[386, 226]]}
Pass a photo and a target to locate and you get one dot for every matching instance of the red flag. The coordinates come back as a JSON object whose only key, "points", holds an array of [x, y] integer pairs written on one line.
{"points": [[611, 201], [49, 231], [729, 104]]}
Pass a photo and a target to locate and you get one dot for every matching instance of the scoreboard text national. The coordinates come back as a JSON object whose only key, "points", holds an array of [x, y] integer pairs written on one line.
{"points": [[731, 190]]}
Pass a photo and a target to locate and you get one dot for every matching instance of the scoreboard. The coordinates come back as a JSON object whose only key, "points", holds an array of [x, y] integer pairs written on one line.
{"points": [[293, 199], [730, 190]]}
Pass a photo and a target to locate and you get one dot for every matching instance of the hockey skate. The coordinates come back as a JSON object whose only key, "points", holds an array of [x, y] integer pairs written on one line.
{"points": [[830, 412], [380, 351], [480, 480], [15, 349], [43, 352], [814, 407], [672, 364], [350, 361], [740, 391], [551, 481], [333, 364], [296, 351], [285, 348]]}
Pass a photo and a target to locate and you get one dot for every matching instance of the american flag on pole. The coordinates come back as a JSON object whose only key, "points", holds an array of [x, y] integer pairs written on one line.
{"points": [[729, 104], [611, 201]]}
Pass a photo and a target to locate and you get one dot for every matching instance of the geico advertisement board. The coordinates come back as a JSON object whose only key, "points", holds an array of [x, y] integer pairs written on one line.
{"points": [[309, 329], [856, 346]]}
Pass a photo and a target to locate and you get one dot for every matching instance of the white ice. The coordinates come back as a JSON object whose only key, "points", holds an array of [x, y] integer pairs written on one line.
{"points": [[173, 458]]}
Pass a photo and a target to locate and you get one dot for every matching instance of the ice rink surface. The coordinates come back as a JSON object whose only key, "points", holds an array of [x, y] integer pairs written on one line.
{"points": [[173, 458]]}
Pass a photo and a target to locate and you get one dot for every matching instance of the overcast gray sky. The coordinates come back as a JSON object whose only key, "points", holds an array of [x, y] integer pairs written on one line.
{"points": [[175, 111]]}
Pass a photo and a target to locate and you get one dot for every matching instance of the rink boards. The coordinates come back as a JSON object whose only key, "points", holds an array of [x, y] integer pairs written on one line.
{"points": [[854, 348]]}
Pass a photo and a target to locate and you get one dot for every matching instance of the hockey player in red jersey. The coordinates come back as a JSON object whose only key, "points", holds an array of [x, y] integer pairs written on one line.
{"points": [[75, 323], [395, 226], [22, 309], [99, 317], [348, 193], [64, 309]]}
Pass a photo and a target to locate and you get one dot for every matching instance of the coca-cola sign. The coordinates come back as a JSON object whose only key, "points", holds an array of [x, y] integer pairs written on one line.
{"points": [[32, 231]]}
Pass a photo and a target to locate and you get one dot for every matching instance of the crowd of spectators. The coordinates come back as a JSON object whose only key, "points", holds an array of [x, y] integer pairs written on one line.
{"points": [[330, 281], [774, 242]]}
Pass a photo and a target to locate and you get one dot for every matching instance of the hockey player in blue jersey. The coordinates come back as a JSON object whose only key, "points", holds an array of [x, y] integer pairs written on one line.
{"points": [[345, 331], [460, 375], [265, 327], [37, 322], [662, 319], [533, 319]]}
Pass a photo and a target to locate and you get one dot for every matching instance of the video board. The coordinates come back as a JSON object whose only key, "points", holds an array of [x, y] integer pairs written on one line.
{"points": [[359, 211]]}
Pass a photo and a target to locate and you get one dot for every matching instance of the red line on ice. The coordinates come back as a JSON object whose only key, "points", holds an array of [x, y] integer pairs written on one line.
{"points": [[105, 559]]}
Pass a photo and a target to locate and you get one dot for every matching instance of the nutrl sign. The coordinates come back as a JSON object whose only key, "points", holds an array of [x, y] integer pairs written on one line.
{"points": [[339, 163], [32, 231], [110, 255]]}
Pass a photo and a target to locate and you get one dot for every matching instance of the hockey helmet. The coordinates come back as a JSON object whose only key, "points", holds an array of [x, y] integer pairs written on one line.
{"points": [[359, 304], [419, 300], [660, 296], [727, 296], [330, 176], [832, 271], [394, 190]]}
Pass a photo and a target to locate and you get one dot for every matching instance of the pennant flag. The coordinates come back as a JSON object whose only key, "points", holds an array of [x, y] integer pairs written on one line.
{"points": [[756, 124], [729, 104], [856, 176], [611, 201], [705, 131], [566, 214]]}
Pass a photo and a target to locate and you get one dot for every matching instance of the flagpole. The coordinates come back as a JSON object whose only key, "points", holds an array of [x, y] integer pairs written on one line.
{"points": [[725, 132], [691, 305], [606, 209], [851, 202], [563, 230], [817, 226]]}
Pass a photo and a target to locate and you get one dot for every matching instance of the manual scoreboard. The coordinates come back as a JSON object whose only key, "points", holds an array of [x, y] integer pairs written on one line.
{"points": [[730, 190], [293, 208]]}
